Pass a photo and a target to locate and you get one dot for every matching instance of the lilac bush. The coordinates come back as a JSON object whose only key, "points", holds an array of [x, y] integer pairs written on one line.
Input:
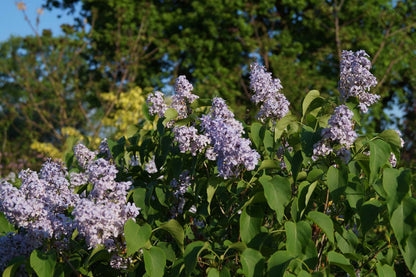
{"points": [[204, 194]]}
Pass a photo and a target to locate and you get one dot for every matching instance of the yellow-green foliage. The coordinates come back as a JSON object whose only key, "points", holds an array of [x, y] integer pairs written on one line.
{"points": [[128, 110]]}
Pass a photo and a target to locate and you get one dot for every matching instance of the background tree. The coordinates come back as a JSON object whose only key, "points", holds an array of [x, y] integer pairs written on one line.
{"points": [[149, 43]]}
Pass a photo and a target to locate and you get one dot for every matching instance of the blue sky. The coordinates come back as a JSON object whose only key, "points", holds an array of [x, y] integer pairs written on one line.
{"points": [[12, 21]]}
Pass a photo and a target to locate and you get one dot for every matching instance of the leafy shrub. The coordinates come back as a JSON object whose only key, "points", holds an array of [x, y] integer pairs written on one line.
{"points": [[212, 196]]}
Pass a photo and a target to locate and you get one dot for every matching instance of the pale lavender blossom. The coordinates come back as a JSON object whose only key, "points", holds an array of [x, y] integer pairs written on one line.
{"points": [[150, 167], [13, 245], [188, 139], [40, 203], [274, 104], [100, 216], [183, 97], [83, 154], [233, 152], [393, 160], [180, 187], [356, 79], [104, 149], [156, 103], [340, 131]]}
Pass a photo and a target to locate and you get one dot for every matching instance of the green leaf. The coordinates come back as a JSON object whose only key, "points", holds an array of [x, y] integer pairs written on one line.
{"points": [[252, 262], [282, 124], [324, 222], [299, 242], [154, 261], [385, 270], [191, 254], [268, 164], [277, 192], [396, 184], [337, 181], [278, 262], [98, 254], [5, 226], [341, 261], [403, 220], [392, 137], [11, 269], [268, 142], [43, 263], [368, 213], [409, 253], [379, 156], [170, 114], [136, 236], [312, 101], [176, 231], [257, 133], [251, 219]]}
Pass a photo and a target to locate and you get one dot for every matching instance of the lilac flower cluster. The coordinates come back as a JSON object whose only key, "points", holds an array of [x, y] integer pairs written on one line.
{"points": [[266, 89], [100, 216], [156, 103], [150, 166], [13, 245], [39, 205], [189, 139], [180, 100], [340, 131], [180, 187], [233, 152], [356, 79]]}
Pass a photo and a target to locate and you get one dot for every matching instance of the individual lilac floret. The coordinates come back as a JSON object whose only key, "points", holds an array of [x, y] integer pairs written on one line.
{"points": [[156, 103], [340, 131], [266, 89], [233, 152], [356, 79], [189, 139]]}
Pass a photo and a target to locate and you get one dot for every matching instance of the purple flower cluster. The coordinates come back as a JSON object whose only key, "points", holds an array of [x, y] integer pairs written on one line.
{"points": [[156, 103], [180, 187], [13, 245], [189, 139], [150, 166], [233, 152], [180, 100], [266, 89], [340, 131], [356, 79], [40, 203], [100, 216]]}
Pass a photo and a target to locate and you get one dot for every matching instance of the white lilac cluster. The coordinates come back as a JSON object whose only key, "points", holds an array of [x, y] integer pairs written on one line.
{"points": [[274, 104], [183, 96], [340, 131], [100, 216], [356, 78], [188, 139], [232, 151], [39, 205], [179, 188]]}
